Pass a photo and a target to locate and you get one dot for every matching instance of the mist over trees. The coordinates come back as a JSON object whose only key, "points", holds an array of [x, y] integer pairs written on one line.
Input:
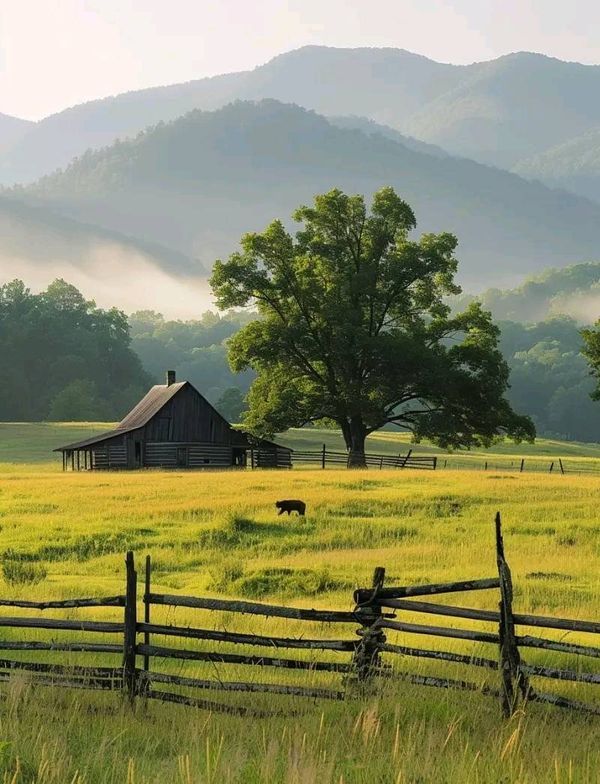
{"points": [[64, 359]]}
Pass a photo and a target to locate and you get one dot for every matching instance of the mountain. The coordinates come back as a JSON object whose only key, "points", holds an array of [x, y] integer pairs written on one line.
{"points": [[573, 291], [12, 129], [383, 84], [198, 183], [370, 127], [498, 112], [511, 108], [574, 165]]}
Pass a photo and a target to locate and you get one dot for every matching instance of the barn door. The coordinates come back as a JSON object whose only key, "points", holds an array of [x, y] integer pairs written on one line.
{"points": [[182, 457]]}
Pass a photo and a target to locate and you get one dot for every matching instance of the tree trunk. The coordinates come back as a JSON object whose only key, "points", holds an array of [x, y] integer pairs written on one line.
{"points": [[355, 434]]}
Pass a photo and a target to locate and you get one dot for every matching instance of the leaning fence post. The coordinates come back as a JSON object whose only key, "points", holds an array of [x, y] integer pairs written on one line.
{"points": [[522, 468], [560, 463], [367, 654], [513, 679], [129, 641]]}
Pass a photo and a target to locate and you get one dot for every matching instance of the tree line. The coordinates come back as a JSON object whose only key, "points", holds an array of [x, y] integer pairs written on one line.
{"points": [[63, 358]]}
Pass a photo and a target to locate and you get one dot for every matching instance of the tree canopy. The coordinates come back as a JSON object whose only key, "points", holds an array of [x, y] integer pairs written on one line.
{"points": [[353, 327], [64, 358]]}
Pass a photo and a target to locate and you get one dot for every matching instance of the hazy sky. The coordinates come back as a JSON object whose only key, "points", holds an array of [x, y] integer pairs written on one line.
{"points": [[55, 53]]}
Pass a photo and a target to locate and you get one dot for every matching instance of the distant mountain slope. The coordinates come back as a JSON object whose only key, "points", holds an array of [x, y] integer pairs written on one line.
{"points": [[384, 84], [371, 127], [11, 130], [37, 246], [574, 165], [511, 108], [198, 183], [497, 112], [572, 291]]}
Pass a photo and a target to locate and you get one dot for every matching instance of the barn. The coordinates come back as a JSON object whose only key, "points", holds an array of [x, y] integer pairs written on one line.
{"points": [[173, 426]]}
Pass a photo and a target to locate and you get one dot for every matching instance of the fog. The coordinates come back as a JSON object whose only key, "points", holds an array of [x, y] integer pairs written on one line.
{"points": [[114, 275]]}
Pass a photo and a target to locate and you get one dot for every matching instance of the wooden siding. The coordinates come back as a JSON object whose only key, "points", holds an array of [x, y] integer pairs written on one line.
{"points": [[188, 418], [110, 455], [197, 455], [273, 458]]}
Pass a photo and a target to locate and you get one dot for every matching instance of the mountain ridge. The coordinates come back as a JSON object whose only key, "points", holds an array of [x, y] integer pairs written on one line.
{"points": [[233, 170]]}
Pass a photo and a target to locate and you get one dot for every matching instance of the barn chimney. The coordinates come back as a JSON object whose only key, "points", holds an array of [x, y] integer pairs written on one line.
{"points": [[170, 377]]}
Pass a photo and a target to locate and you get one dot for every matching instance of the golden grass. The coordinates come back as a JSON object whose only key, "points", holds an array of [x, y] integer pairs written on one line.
{"points": [[218, 533]]}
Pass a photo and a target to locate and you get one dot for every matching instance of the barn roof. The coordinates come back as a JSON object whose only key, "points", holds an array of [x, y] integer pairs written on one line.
{"points": [[152, 402]]}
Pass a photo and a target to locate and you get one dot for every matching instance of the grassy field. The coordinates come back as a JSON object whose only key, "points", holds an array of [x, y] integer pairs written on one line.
{"points": [[216, 533], [26, 442]]}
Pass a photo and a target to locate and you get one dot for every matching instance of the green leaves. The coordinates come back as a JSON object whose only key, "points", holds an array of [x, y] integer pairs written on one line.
{"points": [[354, 328]]}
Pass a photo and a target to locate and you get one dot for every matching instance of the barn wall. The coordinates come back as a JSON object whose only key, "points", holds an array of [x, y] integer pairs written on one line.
{"points": [[197, 455], [110, 454], [187, 417]]}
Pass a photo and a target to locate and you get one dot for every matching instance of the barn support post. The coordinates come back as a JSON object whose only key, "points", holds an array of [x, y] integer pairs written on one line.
{"points": [[130, 623], [72, 460], [323, 456], [513, 679], [367, 654]]}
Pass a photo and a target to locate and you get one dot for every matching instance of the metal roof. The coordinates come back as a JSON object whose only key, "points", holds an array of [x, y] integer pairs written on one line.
{"points": [[140, 414], [152, 402]]}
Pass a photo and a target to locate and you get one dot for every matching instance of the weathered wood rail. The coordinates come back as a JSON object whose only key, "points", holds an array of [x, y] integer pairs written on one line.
{"points": [[360, 657], [327, 457]]}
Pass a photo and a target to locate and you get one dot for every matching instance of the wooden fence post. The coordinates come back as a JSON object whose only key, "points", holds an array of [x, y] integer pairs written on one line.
{"points": [[323, 456], [129, 641], [551, 467], [560, 463], [513, 679], [522, 468], [367, 656], [147, 588], [408, 454]]}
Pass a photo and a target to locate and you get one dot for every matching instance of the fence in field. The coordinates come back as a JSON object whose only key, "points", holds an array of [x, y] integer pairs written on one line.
{"points": [[148, 669], [324, 458], [327, 458]]}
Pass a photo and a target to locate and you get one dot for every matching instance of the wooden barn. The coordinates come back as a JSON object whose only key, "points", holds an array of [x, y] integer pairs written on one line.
{"points": [[173, 426]]}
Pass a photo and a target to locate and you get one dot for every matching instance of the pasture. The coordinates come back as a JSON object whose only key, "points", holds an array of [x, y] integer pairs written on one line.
{"points": [[217, 533]]}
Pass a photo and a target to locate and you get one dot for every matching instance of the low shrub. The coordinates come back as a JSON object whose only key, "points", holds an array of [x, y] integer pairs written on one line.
{"points": [[23, 572]]}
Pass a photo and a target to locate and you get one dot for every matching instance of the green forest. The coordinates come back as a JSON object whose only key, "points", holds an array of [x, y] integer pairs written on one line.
{"points": [[66, 359]]}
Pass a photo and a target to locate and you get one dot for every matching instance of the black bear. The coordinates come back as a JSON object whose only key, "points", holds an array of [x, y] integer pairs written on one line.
{"points": [[291, 506]]}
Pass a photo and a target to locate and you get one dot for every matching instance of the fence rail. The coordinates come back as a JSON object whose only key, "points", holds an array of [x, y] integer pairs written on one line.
{"points": [[360, 655], [326, 457]]}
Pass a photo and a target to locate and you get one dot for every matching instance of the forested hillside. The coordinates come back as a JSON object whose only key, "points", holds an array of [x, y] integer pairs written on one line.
{"points": [[572, 291], [498, 112], [574, 165], [198, 183], [65, 359]]}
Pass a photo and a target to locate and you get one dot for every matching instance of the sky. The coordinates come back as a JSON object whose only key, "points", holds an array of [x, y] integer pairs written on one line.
{"points": [[57, 53]]}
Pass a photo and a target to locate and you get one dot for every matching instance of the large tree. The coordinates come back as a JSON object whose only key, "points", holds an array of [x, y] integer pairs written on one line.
{"points": [[353, 328], [591, 351]]}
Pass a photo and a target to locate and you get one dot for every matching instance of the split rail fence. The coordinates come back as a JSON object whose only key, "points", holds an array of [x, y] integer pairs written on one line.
{"points": [[326, 457], [335, 668]]}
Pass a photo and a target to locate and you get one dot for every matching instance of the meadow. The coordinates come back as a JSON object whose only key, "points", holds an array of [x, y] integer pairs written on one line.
{"points": [[217, 533]]}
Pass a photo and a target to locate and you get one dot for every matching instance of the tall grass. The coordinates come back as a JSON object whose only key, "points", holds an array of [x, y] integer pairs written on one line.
{"points": [[217, 532]]}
